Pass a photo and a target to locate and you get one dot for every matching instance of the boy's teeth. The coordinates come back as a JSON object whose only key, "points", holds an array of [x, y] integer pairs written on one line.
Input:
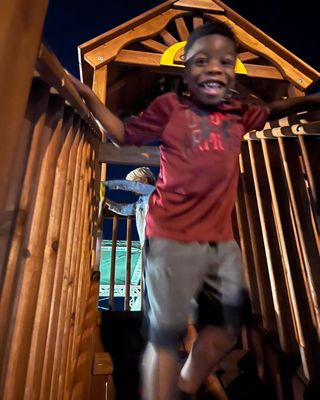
{"points": [[212, 84]]}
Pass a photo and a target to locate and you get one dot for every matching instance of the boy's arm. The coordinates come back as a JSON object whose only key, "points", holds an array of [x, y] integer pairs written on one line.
{"points": [[282, 108], [110, 122]]}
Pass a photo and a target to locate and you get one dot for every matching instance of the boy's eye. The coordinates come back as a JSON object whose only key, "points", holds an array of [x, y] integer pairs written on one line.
{"points": [[228, 62], [200, 61]]}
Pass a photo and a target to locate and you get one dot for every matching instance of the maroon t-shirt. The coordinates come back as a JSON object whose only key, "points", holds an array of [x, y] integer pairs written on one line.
{"points": [[199, 167]]}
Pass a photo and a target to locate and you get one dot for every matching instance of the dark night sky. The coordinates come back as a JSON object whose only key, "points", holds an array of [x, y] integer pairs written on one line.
{"points": [[72, 22]]}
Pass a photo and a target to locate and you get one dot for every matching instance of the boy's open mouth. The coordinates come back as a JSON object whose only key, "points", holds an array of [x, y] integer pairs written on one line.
{"points": [[212, 88]]}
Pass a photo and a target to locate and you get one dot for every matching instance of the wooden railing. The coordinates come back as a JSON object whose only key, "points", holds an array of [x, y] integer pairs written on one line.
{"points": [[50, 177], [276, 222]]}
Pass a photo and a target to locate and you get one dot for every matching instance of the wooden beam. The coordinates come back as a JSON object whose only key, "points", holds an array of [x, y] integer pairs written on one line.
{"points": [[106, 52], [154, 45], [168, 38], [149, 59], [21, 27], [182, 28], [247, 56], [201, 5], [263, 71], [197, 21], [129, 155], [142, 58]]}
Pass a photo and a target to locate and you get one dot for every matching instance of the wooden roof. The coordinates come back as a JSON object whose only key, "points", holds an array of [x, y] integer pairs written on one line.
{"points": [[125, 65]]}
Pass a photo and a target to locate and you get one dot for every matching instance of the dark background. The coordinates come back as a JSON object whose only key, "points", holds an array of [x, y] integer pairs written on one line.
{"points": [[70, 23]]}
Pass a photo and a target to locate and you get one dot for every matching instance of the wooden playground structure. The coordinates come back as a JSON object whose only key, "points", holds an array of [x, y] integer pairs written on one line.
{"points": [[54, 155]]}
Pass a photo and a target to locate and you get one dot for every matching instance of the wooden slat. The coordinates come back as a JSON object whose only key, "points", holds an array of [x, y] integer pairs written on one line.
{"points": [[259, 256], [301, 210], [141, 58], [33, 126], [113, 261], [65, 319], [128, 265], [82, 289], [154, 45], [103, 54], [32, 258], [167, 37], [304, 328], [129, 155], [39, 335], [19, 43], [283, 316], [197, 21], [72, 314], [182, 29], [246, 251], [60, 284], [202, 5], [263, 71], [100, 78], [247, 56]]}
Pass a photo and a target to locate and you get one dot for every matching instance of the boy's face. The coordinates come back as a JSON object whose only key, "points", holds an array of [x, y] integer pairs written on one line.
{"points": [[209, 72]]}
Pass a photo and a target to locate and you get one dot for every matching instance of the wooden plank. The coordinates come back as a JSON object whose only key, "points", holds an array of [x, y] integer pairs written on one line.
{"points": [[32, 257], [247, 56], [128, 265], [148, 59], [108, 51], [49, 267], [82, 289], [279, 290], [64, 318], [259, 256], [263, 71], [304, 326], [246, 252], [168, 38], [182, 29], [301, 211], [202, 5], [100, 78], [154, 45], [60, 284], [139, 58], [19, 43], [197, 21], [113, 261], [72, 314], [129, 155], [32, 128]]}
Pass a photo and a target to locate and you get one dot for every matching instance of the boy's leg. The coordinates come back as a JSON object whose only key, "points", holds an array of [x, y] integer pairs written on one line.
{"points": [[220, 306], [173, 276]]}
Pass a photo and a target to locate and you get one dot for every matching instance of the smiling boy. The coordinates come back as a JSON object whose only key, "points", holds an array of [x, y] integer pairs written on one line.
{"points": [[190, 248]]}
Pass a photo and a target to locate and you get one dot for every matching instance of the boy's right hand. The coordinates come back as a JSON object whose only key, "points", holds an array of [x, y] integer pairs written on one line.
{"points": [[81, 87]]}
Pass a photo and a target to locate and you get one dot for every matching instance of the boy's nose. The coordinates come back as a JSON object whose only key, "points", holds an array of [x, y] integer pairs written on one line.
{"points": [[214, 67]]}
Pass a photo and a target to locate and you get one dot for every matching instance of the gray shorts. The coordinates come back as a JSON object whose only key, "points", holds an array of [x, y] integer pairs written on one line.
{"points": [[181, 277]]}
